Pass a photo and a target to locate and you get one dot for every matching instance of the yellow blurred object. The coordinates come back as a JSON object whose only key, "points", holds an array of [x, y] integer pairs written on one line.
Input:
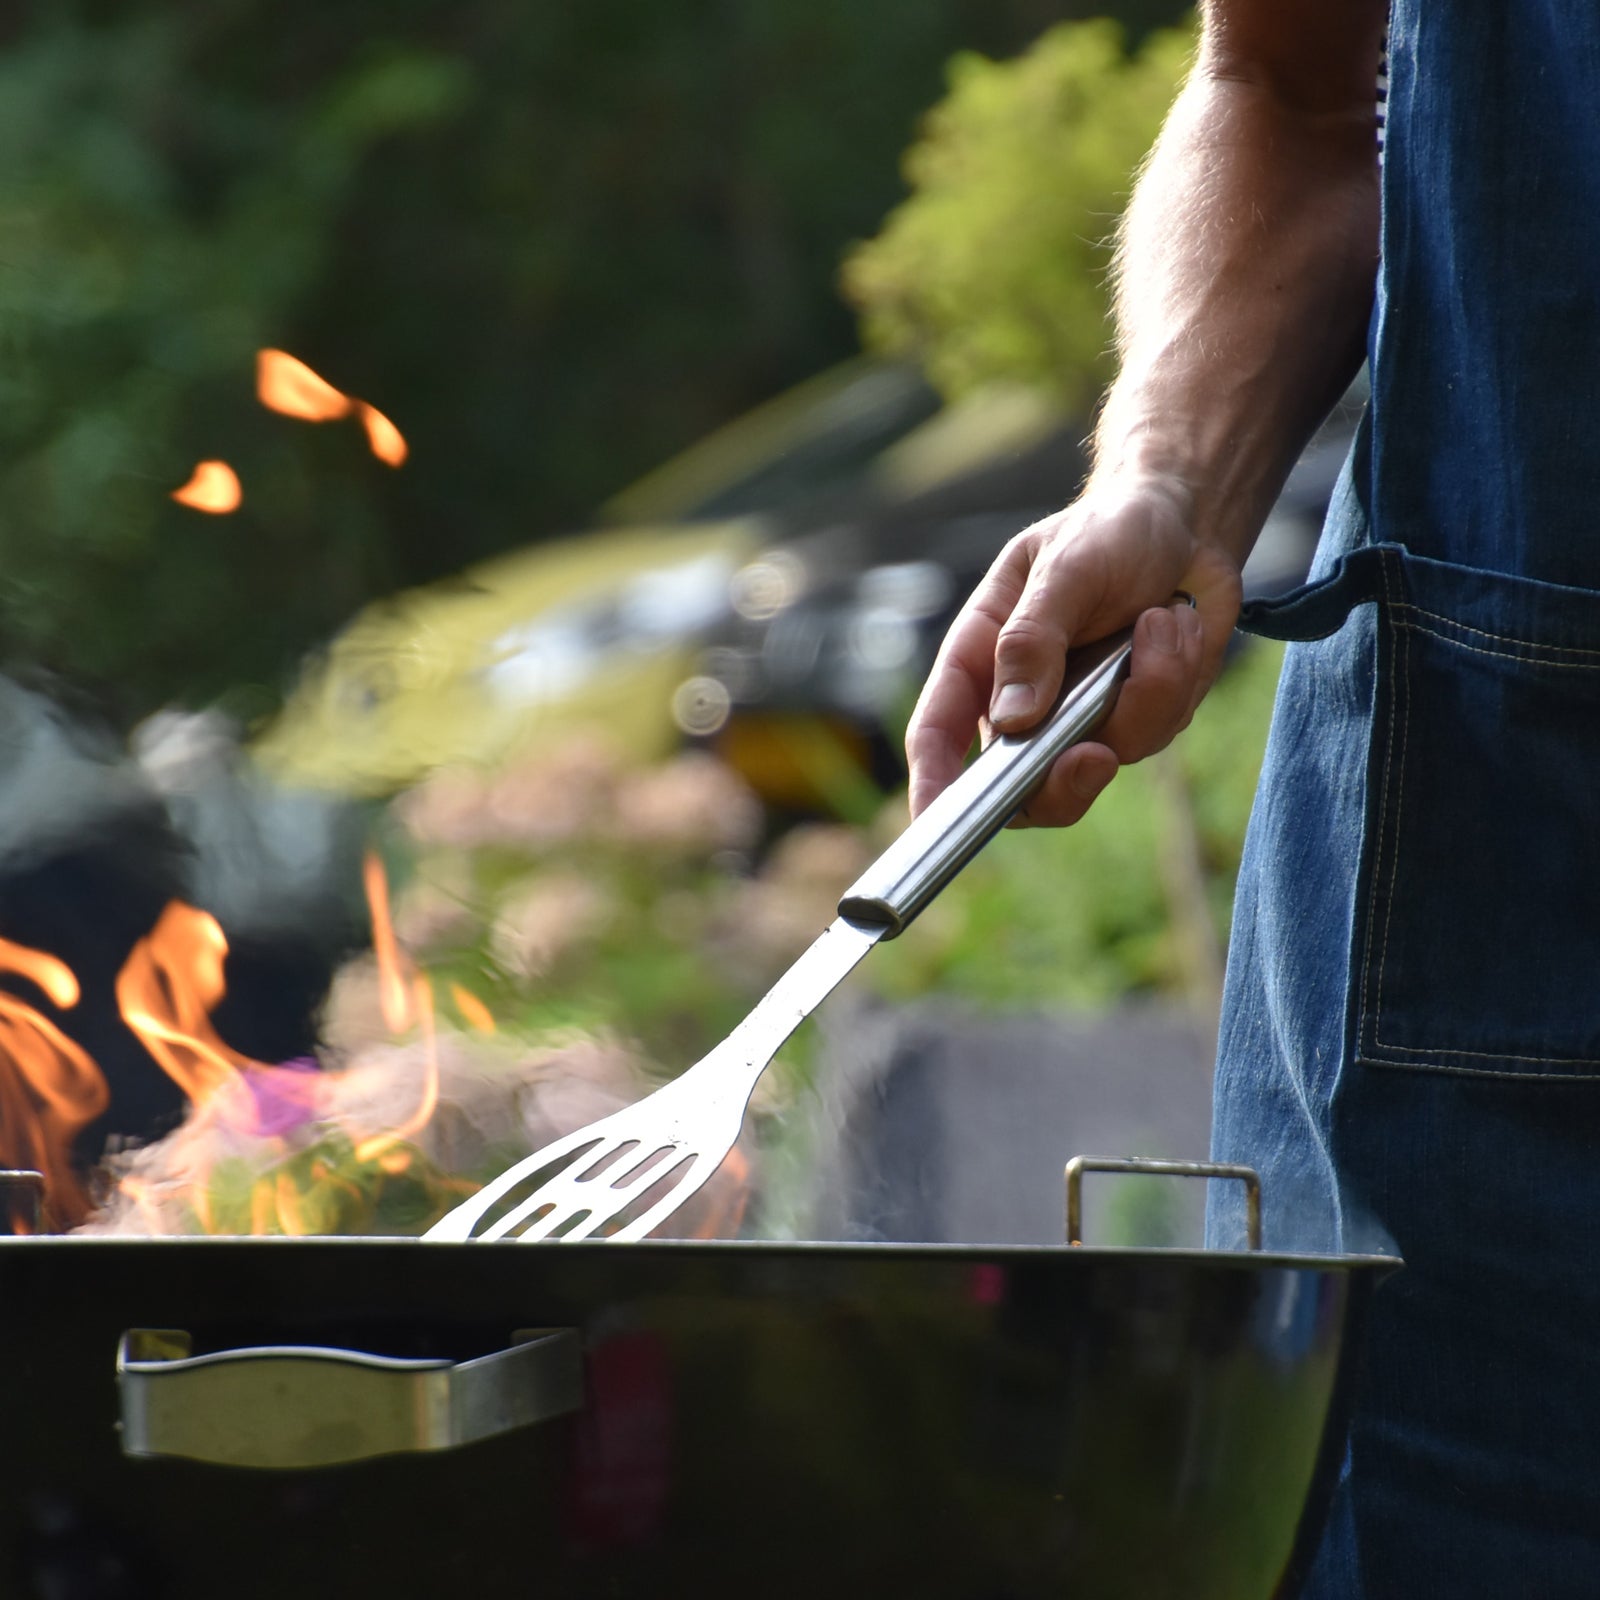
{"points": [[595, 631], [803, 761]]}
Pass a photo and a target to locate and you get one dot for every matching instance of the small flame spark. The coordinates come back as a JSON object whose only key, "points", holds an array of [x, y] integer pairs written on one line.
{"points": [[405, 997], [394, 992], [388, 443], [213, 487], [371, 1149], [471, 1009], [286, 384], [48, 972]]}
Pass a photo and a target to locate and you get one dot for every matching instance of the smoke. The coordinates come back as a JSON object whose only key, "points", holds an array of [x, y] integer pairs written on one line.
{"points": [[301, 1151]]}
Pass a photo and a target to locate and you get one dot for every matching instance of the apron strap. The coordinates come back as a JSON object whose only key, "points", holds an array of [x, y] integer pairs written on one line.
{"points": [[1317, 609]]}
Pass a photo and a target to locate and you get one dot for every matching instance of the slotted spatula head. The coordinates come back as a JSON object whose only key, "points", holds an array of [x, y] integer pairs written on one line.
{"points": [[624, 1175]]}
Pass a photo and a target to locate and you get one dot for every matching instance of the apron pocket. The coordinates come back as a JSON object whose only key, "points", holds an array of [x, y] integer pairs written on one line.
{"points": [[1478, 914]]}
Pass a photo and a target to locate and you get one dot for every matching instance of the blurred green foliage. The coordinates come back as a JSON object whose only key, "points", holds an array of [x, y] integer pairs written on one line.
{"points": [[553, 243], [996, 266], [324, 1187], [165, 209]]}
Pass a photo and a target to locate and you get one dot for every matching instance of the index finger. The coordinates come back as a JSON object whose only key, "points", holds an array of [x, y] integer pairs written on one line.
{"points": [[956, 694]]}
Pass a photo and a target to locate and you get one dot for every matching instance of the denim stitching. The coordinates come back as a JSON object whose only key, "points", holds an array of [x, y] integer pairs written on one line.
{"points": [[1500, 655], [1503, 638], [1485, 1072], [1383, 811], [1386, 855], [1399, 812], [1485, 1055]]}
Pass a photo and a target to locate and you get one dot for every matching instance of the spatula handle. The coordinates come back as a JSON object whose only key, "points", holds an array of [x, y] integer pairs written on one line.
{"points": [[961, 820]]}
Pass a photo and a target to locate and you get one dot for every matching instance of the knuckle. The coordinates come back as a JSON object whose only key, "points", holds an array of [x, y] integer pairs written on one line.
{"points": [[1027, 634], [1020, 548]]}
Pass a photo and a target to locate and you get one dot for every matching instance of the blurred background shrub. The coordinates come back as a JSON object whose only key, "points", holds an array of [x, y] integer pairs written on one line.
{"points": [[555, 243], [997, 265]]}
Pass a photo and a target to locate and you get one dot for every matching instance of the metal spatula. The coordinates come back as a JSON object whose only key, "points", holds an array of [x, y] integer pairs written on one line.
{"points": [[640, 1164]]}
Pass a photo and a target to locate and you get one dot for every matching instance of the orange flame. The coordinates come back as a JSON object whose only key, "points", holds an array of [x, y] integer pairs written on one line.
{"points": [[50, 1089], [405, 997], [388, 443], [263, 1208], [471, 1009], [372, 1149], [287, 385], [213, 487], [290, 386], [46, 972], [167, 991], [394, 991], [173, 981], [168, 987]]}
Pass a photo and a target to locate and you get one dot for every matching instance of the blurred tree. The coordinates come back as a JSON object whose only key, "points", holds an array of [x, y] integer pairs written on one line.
{"points": [[553, 243], [996, 265], [159, 221]]}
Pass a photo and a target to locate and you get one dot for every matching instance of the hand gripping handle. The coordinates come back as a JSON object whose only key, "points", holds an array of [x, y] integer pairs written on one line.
{"points": [[961, 820]]}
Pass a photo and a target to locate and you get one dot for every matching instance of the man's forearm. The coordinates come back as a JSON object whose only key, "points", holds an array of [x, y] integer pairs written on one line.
{"points": [[1247, 277], [1246, 270]]}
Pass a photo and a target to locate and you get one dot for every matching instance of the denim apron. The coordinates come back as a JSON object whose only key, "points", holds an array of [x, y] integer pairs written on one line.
{"points": [[1410, 1052]]}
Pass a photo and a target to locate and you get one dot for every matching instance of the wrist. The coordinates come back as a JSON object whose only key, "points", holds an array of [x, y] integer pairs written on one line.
{"points": [[1221, 483]]}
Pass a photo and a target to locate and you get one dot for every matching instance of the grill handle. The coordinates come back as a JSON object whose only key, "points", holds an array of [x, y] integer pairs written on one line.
{"points": [[1079, 1165], [296, 1406], [22, 1198], [938, 844]]}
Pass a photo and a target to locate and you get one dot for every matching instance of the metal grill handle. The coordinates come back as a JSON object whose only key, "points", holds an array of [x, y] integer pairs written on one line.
{"points": [[290, 1406], [1079, 1165], [22, 1197]]}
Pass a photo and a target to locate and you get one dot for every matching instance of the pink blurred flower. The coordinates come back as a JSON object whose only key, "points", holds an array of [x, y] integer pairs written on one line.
{"points": [[545, 918], [693, 805]]}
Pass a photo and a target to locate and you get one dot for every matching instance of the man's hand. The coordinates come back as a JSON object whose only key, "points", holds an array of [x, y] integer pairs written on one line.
{"points": [[1119, 552]]}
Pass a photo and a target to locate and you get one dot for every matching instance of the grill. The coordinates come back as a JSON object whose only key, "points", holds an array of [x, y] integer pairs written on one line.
{"points": [[631, 1420]]}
